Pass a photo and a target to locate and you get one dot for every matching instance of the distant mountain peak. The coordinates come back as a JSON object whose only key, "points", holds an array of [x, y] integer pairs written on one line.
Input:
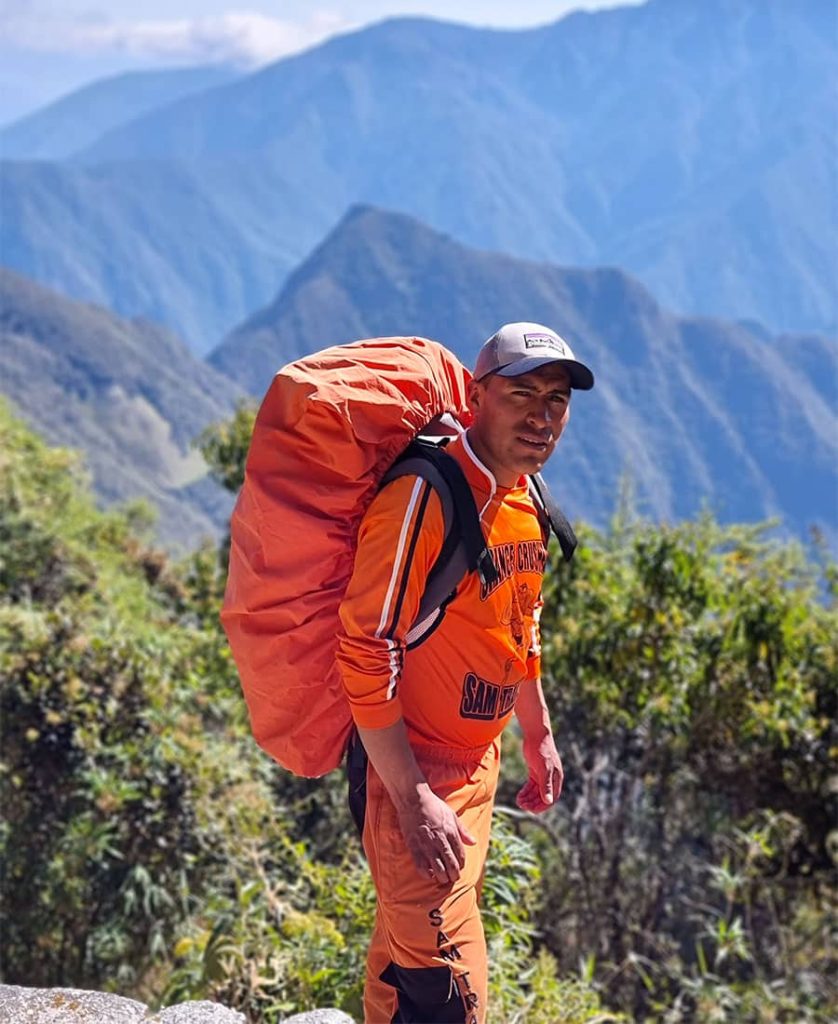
{"points": [[693, 409]]}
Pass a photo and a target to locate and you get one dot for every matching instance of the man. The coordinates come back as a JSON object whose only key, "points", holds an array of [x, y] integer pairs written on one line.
{"points": [[430, 717]]}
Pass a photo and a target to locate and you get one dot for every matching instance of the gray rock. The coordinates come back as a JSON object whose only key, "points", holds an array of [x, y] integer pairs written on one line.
{"points": [[202, 1012], [320, 1017], [19, 1005]]}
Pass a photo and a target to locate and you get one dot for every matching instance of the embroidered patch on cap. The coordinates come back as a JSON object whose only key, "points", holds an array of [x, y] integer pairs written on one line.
{"points": [[545, 341]]}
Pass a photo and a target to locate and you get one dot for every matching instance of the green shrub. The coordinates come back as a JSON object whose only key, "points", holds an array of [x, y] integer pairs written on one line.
{"points": [[109, 707], [687, 875], [691, 674], [277, 931]]}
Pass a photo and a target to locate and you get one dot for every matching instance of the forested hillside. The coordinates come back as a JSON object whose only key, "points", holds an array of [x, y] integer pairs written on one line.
{"points": [[686, 875], [128, 393]]}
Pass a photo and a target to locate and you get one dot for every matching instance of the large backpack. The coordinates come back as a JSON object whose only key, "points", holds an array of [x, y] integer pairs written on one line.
{"points": [[331, 428]]}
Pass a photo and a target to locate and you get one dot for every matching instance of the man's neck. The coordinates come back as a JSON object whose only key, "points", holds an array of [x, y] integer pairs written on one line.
{"points": [[502, 479]]}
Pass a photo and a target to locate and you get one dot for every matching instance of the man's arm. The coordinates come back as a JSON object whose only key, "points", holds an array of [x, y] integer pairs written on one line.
{"points": [[432, 831], [546, 775], [398, 543]]}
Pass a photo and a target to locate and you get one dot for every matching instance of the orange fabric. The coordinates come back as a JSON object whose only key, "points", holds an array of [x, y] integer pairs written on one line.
{"points": [[419, 922], [328, 429], [455, 691], [458, 687]]}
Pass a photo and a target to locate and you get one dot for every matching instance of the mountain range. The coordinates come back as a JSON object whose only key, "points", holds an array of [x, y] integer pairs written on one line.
{"points": [[129, 394], [687, 143], [694, 411], [77, 120]]}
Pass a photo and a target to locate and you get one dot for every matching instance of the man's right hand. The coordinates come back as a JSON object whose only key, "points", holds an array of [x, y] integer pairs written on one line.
{"points": [[434, 835], [431, 830]]}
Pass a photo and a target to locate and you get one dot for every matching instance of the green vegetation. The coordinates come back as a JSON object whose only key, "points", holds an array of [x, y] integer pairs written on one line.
{"points": [[692, 673], [149, 847]]}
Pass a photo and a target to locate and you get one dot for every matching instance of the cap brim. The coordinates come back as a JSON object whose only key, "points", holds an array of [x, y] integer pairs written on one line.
{"points": [[581, 377]]}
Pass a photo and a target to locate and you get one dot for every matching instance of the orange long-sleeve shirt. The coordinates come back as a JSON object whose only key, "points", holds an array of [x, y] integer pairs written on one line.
{"points": [[458, 687]]}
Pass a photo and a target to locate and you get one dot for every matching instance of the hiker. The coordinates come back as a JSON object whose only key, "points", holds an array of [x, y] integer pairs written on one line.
{"points": [[428, 717]]}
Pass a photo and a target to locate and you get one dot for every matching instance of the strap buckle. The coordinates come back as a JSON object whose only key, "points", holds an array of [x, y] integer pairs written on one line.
{"points": [[486, 569]]}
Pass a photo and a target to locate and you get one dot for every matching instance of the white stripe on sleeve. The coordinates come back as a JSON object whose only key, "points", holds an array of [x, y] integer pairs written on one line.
{"points": [[388, 600]]}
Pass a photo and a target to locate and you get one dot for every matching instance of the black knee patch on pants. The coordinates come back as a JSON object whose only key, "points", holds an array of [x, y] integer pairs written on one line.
{"points": [[425, 995]]}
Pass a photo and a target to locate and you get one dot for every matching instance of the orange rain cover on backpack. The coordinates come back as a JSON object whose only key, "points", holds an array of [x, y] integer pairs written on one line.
{"points": [[328, 429]]}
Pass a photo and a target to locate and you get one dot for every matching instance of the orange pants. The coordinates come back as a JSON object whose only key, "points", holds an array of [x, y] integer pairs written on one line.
{"points": [[427, 958]]}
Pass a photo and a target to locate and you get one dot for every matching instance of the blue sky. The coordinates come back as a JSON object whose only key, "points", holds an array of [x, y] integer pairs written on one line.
{"points": [[49, 47]]}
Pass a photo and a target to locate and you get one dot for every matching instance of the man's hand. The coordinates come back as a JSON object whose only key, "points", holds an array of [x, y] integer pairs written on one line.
{"points": [[434, 836], [544, 785], [432, 831]]}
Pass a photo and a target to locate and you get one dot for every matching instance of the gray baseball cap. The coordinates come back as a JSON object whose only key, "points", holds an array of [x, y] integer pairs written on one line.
{"points": [[520, 348]]}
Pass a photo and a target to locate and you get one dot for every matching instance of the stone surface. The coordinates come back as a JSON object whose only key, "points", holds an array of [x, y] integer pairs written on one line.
{"points": [[202, 1012], [19, 1005], [320, 1017]]}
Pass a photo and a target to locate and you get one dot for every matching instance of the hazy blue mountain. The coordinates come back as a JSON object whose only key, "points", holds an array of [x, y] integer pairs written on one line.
{"points": [[75, 121], [687, 142], [128, 394], [692, 409], [145, 239]]}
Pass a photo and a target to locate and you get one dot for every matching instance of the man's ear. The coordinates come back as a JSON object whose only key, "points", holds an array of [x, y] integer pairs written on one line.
{"points": [[473, 395]]}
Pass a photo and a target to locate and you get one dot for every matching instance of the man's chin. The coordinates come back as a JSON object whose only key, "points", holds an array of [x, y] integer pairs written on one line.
{"points": [[531, 464], [533, 459]]}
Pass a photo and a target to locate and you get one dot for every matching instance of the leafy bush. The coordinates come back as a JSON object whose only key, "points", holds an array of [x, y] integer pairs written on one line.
{"points": [[277, 932], [93, 784], [686, 875], [691, 674], [524, 987], [109, 710], [281, 932]]}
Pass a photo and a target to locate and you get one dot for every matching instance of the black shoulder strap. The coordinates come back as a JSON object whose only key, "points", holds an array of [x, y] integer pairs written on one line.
{"points": [[464, 548], [557, 519]]}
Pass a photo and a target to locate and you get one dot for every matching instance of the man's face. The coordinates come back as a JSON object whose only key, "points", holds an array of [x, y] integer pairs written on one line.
{"points": [[518, 420]]}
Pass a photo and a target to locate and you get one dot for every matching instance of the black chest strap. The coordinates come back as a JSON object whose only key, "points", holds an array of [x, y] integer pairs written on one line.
{"points": [[556, 518], [464, 548]]}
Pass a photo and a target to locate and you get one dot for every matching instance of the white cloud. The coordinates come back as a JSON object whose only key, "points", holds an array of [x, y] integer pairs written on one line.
{"points": [[242, 37]]}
